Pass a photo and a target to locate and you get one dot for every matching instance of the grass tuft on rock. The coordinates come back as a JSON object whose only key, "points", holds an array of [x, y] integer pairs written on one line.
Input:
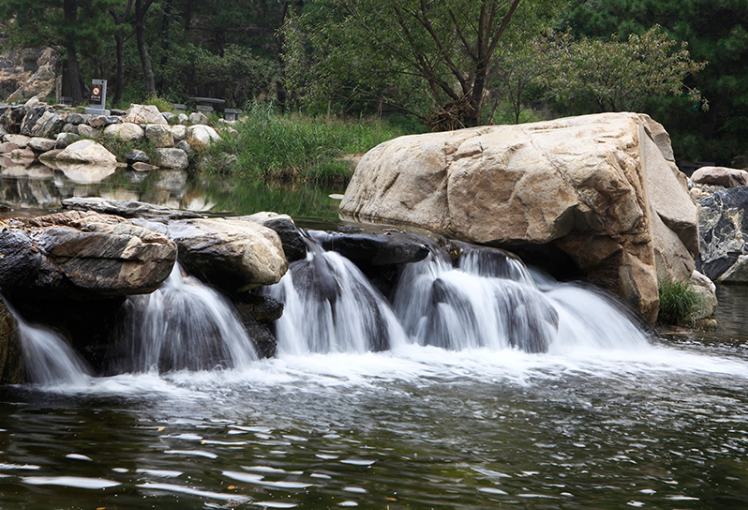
{"points": [[678, 302]]}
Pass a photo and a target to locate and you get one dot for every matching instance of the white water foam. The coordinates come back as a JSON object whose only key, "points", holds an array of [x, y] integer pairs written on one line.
{"points": [[586, 333], [330, 306], [185, 325], [48, 359]]}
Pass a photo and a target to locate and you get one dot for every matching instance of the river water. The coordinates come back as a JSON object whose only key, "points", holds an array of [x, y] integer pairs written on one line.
{"points": [[634, 422]]}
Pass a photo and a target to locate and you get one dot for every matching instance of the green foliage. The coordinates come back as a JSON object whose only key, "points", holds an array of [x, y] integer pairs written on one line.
{"points": [[159, 102], [677, 302], [620, 76], [42, 22], [717, 32], [431, 59], [284, 147]]}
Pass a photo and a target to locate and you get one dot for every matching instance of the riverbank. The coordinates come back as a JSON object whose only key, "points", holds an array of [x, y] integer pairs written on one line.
{"points": [[263, 143]]}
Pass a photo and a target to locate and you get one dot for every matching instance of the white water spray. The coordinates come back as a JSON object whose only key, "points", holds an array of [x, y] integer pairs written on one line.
{"points": [[48, 359], [330, 306], [487, 299], [184, 325]]}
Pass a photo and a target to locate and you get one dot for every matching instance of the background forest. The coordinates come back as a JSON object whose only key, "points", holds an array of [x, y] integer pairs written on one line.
{"points": [[428, 64]]}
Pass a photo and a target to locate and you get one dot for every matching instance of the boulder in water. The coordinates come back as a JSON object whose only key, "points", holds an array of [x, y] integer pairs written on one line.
{"points": [[391, 247], [82, 255], [293, 244], [231, 254], [588, 186], [724, 229], [86, 151]]}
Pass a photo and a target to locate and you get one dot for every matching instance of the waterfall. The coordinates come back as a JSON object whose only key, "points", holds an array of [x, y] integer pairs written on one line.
{"points": [[47, 358], [330, 306], [485, 299], [183, 325]]}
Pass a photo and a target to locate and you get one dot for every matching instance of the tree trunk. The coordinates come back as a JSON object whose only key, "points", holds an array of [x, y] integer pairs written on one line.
{"points": [[119, 81], [119, 39], [141, 8], [70, 9]]}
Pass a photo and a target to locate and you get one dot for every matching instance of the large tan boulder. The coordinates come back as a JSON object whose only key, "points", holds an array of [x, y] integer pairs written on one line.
{"points": [[589, 186], [232, 254]]}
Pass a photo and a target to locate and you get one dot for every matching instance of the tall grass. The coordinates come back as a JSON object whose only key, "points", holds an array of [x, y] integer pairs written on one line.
{"points": [[677, 302], [293, 147]]}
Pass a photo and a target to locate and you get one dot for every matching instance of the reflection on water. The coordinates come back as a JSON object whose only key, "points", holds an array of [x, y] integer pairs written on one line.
{"points": [[732, 312], [32, 189], [419, 428]]}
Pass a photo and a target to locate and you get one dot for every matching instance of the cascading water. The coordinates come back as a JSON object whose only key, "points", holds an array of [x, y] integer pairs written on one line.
{"points": [[183, 325], [330, 306], [47, 358], [486, 299]]}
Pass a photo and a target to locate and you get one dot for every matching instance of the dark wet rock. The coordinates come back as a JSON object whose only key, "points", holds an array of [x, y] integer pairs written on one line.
{"points": [[82, 255], [10, 348], [87, 325], [31, 118], [530, 324], [391, 247], [78, 118], [321, 279], [43, 123], [723, 226], [12, 117], [293, 244], [317, 276], [127, 209], [256, 313]]}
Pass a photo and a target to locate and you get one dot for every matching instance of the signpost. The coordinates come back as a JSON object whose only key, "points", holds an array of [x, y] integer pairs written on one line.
{"points": [[98, 98]]}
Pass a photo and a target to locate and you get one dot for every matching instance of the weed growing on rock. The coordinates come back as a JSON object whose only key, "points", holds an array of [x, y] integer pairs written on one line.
{"points": [[677, 302]]}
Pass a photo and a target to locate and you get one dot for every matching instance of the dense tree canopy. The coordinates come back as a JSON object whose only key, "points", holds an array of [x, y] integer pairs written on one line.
{"points": [[432, 59], [449, 63], [717, 32]]}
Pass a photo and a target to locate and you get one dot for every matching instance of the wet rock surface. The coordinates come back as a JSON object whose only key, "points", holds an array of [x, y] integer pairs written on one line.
{"points": [[231, 254], [83, 255], [723, 228]]}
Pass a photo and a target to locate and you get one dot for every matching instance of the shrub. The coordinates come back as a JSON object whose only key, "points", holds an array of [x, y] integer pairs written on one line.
{"points": [[677, 302]]}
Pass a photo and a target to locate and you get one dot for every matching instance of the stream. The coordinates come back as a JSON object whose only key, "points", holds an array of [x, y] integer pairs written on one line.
{"points": [[612, 418]]}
